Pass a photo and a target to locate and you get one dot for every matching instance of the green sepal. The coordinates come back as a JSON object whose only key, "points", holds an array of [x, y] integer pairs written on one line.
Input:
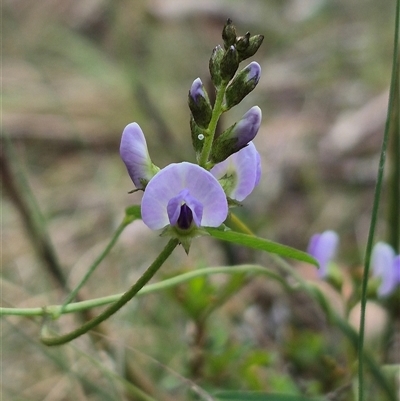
{"points": [[242, 43], [214, 65], [198, 135], [201, 110], [184, 237], [225, 145], [239, 88], [252, 48]]}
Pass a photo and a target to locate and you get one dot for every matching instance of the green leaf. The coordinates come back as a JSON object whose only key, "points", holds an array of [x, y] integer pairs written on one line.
{"points": [[257, 396], [261, 244]]}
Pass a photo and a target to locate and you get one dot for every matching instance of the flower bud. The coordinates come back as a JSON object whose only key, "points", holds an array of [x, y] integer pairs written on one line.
{"points": [[229, 34], [214, 65], [229, 64], [199, 104], [253, 45], [237, 136], [244, 82], [242, 42]]}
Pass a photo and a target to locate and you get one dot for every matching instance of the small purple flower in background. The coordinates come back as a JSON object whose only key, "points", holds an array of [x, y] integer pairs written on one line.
{"points": [[386, 266], [239, 173], [184, 195], [323, 248], [134, 153]]}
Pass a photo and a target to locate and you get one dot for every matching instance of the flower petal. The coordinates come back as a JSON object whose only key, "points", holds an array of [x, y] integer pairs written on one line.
{"points": [[245, 169], [323, 247], [168, 184], [175, 204], [134, 153], [383, 261]]}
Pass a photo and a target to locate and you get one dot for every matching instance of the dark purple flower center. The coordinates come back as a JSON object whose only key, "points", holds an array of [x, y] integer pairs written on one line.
{"points": [[185, 217]]}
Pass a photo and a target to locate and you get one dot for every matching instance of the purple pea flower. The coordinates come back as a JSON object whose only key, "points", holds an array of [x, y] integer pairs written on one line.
{"points": [[134, 153], [239, 173], [386, 266], [246, 129], [237, 136], [323, 247], [185, 196]]}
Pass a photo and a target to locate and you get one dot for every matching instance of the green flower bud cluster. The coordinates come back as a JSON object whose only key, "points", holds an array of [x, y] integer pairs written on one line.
{"points": [[231, 88]]}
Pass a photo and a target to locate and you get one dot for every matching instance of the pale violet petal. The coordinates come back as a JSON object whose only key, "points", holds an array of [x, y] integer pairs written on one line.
{"points": [[134, 153], [323, 248], [170, 181], [245, 166], [382, 259]]}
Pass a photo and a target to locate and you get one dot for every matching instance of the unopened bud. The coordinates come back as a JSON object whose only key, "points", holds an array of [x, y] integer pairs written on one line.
{"points": [[242, 42], [253, 45], [237, 136], [215, 64], [199, 104], [244, 82], [229, 64], [229, 34]]}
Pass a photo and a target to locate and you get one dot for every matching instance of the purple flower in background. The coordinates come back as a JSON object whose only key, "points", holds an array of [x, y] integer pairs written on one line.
{"points": [[386, 266], [239, 173], [323, 248], [184, 195], [134, 153]]}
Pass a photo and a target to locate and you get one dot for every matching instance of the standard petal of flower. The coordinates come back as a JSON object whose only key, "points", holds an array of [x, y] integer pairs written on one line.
{"points": [[170, 181], [323, 248], [134, 153], [245, 169]]}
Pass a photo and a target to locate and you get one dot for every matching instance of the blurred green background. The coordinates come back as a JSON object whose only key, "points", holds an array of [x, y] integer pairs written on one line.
{"points": [[74, 74]]}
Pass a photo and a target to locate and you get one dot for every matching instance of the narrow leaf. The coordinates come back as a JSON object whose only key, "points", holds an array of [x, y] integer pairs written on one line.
{"points": [[261, 244]]}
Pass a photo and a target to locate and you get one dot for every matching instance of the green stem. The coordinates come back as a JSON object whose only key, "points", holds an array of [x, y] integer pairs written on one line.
{"points": [[93, 267], [126, 297], [376, 207], [212, 126], [54, 310]]}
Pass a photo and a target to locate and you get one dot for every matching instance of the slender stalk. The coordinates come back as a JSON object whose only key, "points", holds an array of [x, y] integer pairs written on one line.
{"points": [[54, 310], [93, 267], [126, 297], [212, 126], [378, 188]]}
